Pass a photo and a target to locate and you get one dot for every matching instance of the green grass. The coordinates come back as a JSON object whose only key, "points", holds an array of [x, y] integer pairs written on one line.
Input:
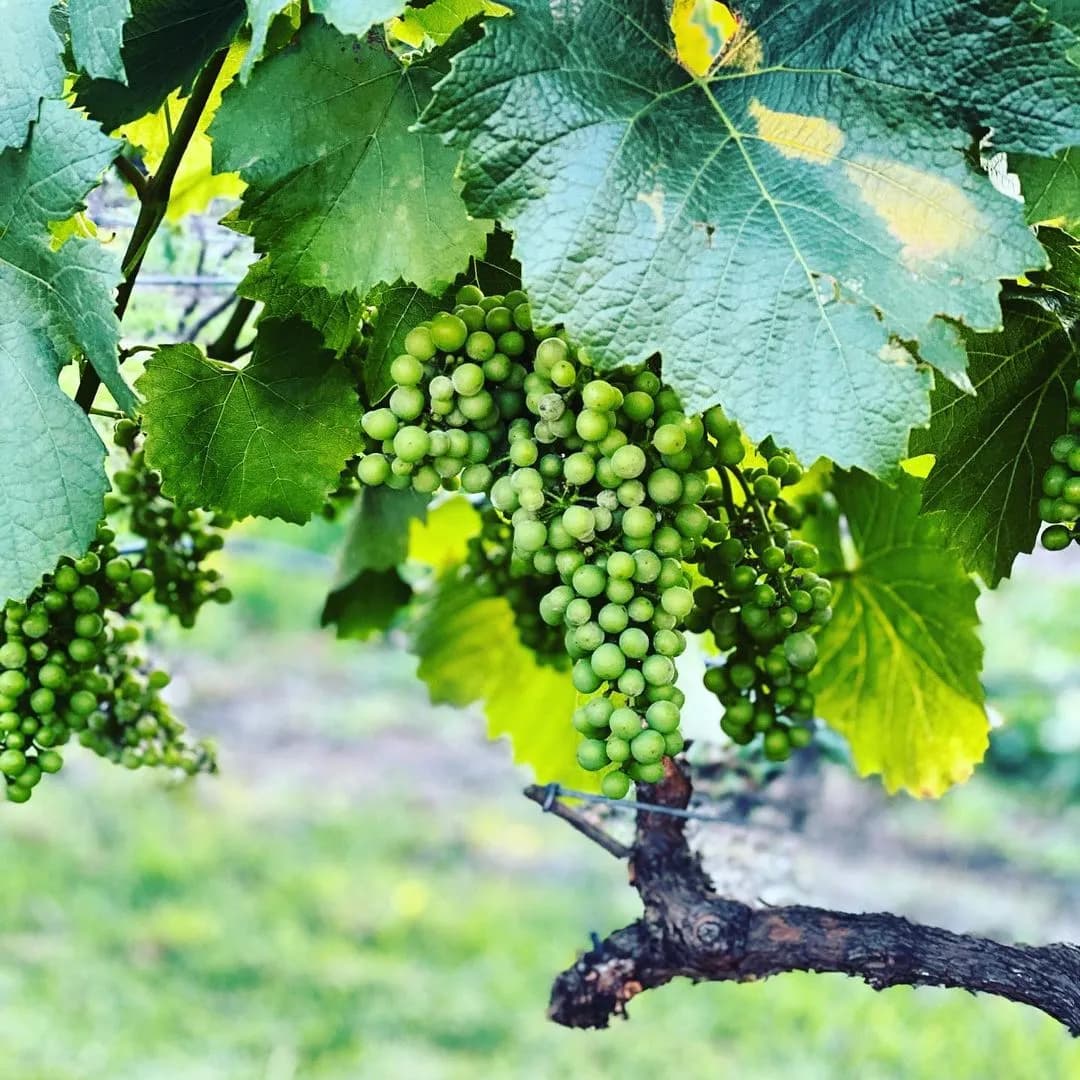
{"points": [[280, 932]]}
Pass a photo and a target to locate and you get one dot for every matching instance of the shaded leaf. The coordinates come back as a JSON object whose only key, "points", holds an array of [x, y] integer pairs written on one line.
{"points": [[335, 317], [992, 448], [166, 44]]}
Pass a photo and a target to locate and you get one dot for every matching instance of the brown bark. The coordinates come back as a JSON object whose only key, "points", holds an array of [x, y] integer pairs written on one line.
{"points": [[689, 931]]}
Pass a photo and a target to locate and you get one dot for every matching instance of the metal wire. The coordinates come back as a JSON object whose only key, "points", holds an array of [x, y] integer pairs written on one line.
{"points": [[557, 791]]}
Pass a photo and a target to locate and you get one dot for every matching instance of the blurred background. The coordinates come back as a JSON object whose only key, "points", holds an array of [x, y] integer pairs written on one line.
{"points": [[364, 892]]}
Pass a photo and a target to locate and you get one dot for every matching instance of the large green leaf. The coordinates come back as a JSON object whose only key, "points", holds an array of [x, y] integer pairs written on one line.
{"points": [[269, 439], [369, 591], [401, 306], [62, 299], [349, 16], [341, 193], [97, 34], [336, 317], [166, 43], [52, 464], [899, 664], [751, 224], [30, 67], [991, 448], [470, 652]]}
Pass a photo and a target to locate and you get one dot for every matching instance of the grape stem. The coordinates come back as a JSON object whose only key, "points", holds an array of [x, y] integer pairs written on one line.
{"points": [[689, 931], [154, 202], [542, 795]]}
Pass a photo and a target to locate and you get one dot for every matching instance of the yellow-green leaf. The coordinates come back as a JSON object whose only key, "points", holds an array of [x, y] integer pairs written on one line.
{"points": [[470, 651], [443, 539], [899, 663]]}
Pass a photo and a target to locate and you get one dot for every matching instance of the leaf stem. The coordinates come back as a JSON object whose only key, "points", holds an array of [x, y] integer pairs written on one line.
{"points": [[224, 348], [154, 203], [132, 174]]}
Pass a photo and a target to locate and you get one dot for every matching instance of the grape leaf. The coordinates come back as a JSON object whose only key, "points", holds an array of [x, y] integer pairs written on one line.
{"points": [[369, 591], [438, 21], [373, 202], [349, 16], [898, 673], [166, 44], [195, 183], [97, 33], [269, 439], [52, 464], [1051, 188], [992, 448], [32, 69], [62, 296], [470, 651], [401, 306], [442, 540], [750, 224], [335, 317]]}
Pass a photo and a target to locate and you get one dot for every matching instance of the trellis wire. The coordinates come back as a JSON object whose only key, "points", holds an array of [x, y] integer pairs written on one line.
{"points": [[557, 791]]}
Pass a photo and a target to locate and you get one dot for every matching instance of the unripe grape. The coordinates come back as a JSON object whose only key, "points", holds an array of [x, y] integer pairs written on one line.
{"points": [[578, 522], [592, 755], [628, 461], [634, 643], [608, 662], [631, 683], [615, 785], [411, 444], [663, 716], [592, 425], [379, 424], [638, 522], [664, 486], [647, 747], [589, 581], [373, 469], [658, 670], [625, 723], [419, 343], [1054, 538], [583, 677]]}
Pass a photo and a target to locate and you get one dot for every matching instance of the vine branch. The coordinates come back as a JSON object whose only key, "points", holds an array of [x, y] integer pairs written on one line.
{"points": [[689, 931], [224, 348], [154, 202]]}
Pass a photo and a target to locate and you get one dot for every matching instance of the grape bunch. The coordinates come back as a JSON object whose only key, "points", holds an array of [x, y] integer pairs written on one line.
{"points": [[69, 662], [761, 602], [612, 510], [1060, 502], [455, 387]]}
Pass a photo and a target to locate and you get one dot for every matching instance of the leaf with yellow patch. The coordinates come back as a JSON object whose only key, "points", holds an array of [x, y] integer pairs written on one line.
{"points": [[470, 652], [898, 673], [702, 29], [435, 23], [196, 183], [790, 205]]}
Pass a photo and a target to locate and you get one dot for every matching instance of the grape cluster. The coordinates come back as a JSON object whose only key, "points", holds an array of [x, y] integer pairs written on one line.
{"points": [[761, 602], [69, 664], [608, 505], [1060, 502], [455, 387], [177, 542]]}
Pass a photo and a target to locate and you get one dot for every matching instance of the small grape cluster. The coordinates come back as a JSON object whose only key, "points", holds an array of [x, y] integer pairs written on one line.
{"points": [[602, 500], [68, 660], [458, 382], [177, 542], [762, 601], [1060, 502]]}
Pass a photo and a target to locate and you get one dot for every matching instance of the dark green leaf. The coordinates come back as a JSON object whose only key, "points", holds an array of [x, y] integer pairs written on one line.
{"points": [[335, 317], [992, 448], [166, 44], [375, 202], [97, 34]]}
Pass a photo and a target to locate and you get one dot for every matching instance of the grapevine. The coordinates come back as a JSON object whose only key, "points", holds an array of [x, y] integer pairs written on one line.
{"points": [[606, 503]]}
